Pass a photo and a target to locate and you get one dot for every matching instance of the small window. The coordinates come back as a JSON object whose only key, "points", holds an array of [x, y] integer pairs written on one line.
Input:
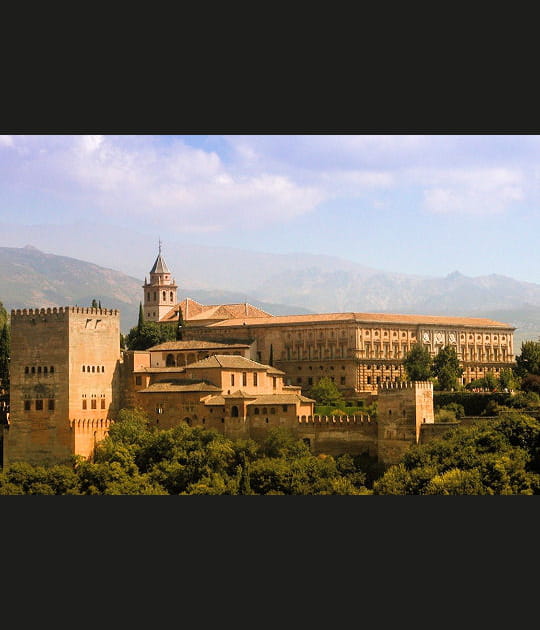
{"points": [[27, 405], [26, 370], [103, 368], [244, 378], [84, 368], [284, 407], [256, 412], [84, 403], [93, 368], [93, 403], [39, 369], [103, 403], [33, 370], [45, 370], [255, 379], [50, 406], [52, 369], [232, 379], [138, 380], [39, 404]]}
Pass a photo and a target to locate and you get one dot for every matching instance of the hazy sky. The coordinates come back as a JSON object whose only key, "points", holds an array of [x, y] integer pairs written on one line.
{"points": [[420, 204]]}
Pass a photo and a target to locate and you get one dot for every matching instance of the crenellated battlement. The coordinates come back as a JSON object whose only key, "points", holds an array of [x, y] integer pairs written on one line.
{"points": [[399, 385], [83, 310], [90, 423], [335, 420]]}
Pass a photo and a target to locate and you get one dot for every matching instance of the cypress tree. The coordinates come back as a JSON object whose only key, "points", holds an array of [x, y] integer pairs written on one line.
{"points": [[4, 356], [140, 323], [180, 324]]}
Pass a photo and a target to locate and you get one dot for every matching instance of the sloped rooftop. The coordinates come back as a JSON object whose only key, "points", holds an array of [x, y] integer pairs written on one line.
{"points": [[361, 318]]}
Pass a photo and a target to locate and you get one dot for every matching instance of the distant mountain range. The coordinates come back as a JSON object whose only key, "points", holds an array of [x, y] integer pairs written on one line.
{"points": [[280, 284]]}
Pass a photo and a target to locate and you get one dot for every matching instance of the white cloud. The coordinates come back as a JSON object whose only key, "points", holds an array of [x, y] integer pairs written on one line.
{"points": [[473, 192], [6, 141]]}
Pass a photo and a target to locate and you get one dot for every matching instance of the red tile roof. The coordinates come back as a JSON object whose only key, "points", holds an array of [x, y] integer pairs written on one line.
{"points": [[363, 318], [193, 311]]}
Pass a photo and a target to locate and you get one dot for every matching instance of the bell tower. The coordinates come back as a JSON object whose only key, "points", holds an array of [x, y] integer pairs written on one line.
{"points": [[159, 293]]}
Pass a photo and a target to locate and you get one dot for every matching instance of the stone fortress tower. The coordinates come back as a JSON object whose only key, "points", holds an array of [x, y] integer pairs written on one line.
{"points": [[64, 375], [403, 409], [160, 292]]}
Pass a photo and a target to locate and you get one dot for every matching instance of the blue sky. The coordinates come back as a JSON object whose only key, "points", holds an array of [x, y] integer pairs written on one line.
{"points": [[416, 204]]}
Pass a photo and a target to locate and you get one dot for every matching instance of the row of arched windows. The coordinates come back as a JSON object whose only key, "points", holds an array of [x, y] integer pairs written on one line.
{"points": [[93, 368], [39, 369]]}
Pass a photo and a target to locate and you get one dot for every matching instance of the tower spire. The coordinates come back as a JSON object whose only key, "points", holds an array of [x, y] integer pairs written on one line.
{"points": [[159, 244]]}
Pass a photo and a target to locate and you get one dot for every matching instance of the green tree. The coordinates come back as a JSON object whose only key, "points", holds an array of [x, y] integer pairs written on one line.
{"points": [[446, 368], [3, 315], [4, 356], [140, 321], [326, 392], [149, 334], [528, 361], [507, 379], [180, 325], [417, 363], [490, 457], [94, 303]]}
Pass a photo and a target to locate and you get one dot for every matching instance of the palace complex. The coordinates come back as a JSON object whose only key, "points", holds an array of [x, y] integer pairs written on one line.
{"points": [[237, 369], [358, 351]]}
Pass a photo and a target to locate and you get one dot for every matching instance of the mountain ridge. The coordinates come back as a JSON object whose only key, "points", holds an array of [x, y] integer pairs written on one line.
{"points": [[32, 278]]}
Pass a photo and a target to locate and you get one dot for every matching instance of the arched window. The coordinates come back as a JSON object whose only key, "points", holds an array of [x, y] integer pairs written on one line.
{"points": [[171, 296], [234, 411], [256, 411], [164, 295], [84, 368], [52, 369], [169, 361], [33, 370]]}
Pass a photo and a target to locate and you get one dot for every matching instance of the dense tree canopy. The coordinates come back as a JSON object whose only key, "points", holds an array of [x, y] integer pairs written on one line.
{"points": [[489, 457], [446, 368], [326, 393], [148, 335], [528, 361], [138, 459], [417, 363]]}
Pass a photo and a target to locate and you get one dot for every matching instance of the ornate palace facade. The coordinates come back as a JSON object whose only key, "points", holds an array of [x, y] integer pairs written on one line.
{"points": [[358, 351]]}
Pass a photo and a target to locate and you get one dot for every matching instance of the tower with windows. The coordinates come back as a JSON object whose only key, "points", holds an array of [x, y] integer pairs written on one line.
{"points": [[159, 292]]}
